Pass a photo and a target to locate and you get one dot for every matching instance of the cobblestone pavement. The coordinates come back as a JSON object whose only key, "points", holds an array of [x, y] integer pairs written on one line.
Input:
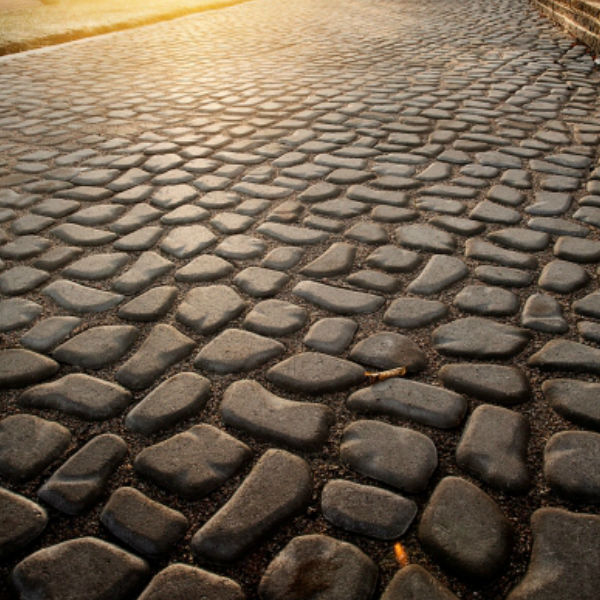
{"points": [[213, 226]]}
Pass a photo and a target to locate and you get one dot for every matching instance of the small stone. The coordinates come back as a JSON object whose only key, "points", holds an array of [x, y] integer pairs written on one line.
{"points": [[578, 250], [479, 249], [578, 401], [21, 279], [571, 465], [279, 485], [506, 276], [476, 337], [521, 239], [175, 399], [260, 282], [182, 582], [57, 257], [542, 313], [22, 522], [338, 300], [589, 331], [413, 582], [275, 318], [393, 259], [315, 373], [205, 267], [97, 266], [22, 367], [564, 557], [387, 350], [439, 273], [81, 235], [410, 313], [78, 483], [207, 309], [366, 510], [142, 239], [373, 280], [458, 225], [187, 240], [397, 456], [97, 347], [193, 463], [28, 444], [331, 335], [426, 238], [493, 447], [487, 300], [80, 568], [283, 258], [588, 306], [240, 247], [145, 525], [566, 355], [80, 298], [250, 407], [464, 529], [426, 404], [291, 234], [163, 347], [319, 566], [79, 395], [150, 305], [17, 312], [144, 271], [25, 246], [490, 212], [336, 260], [562, 277]]}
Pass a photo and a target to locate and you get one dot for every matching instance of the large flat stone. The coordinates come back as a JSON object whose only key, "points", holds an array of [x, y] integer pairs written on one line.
{"points": [[80, 298], [338, 300], [565, 355]]}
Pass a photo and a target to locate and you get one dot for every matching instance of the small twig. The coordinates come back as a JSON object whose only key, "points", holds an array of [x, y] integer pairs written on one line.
{"points": [[374, 377], [401, 555]]}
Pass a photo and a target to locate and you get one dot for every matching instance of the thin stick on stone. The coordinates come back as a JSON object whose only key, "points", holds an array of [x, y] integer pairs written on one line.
{"points": [[374, 377]]}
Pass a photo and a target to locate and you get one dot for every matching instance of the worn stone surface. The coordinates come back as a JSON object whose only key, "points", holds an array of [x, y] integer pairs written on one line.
{"points": [[331, 335], [440, 272], [566, 355], [338, 300], [389, 350], [20, 367], [575, 400], [413, 582]]}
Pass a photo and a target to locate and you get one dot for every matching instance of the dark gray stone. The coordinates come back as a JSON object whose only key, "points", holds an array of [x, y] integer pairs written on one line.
{"points": [[318, 566], [236, 350], [17, 312], [413, 582], [564, 559], [566, 355], [275, 318], [426, 404], [177, 398], [562, 277], [397, 456], [79, 395], [493, 447], [163, 347], [315, 373], [367, 510], [572, 465], [388, 350], [279, 485], [487, 300], [439, 273], [588, 306], [250, 407], [145, 525], [80, 568], [338, 300], [22, 522], [578, 250], [331, 335], [193, 463], [463, 528], [150, 305], [28, 444], [543, 313], [22, 367], [410, 313], [578, 401], [79, 482]]}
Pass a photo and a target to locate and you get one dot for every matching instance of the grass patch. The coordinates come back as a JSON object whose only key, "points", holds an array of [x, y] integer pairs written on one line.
{"points": [[37, 24]]}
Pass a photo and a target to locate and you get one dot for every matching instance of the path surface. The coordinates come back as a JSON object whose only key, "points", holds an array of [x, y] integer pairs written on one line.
{"points": [[212, 227]]}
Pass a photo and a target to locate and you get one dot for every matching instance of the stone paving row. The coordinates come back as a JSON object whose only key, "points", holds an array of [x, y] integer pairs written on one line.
{"points": [[212, 227]]}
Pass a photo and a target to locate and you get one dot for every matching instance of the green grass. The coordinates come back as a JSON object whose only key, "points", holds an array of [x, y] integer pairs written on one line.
{"points": [[58, 21]]}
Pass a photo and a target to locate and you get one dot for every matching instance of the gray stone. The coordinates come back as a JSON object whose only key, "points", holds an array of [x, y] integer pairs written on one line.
{"points": [[413, 582], [319, 566], [336, 260], [367, 510], [487, 300], [229, 223], [479, 249], [426, 404], [80, 568], [463, 528], [175, 399], [521, 239], [578, 401], [493, 447], [79, 395], [188, 240], [497, 383], [373, 280], [556, 226], [283, 258], [331, 335], [150, 305], [291, 234], [578, 250], [566, 355], [17, 312], [506, 276], [57, 257], [543, 313], [240, 247], [318, 192], [163, 347], [439, 273], [279, 485], [260, 282], [142, 239], [193, 463], [185, 214], [341, 208], [81, 235], [367, 233], [363, 193], [550, 204], [400, 457], [97, 347], [97, 266], [205, 267], [98, 214], [207, 309], [315, 373], [139, 215], [22, 367], [147, 526], [80, 298], [338, 300], [182, 582], [79, 482], [426, 238], [275, 318], [490, 212], [21, 279], [589, 331], [250, 407], [25, 246], [572, 465], [588, 306], [476, 337], [388, 350], [410, 313], [562, 277], [171, 196], [144, 271], [393, 259], [564, 557], [22, 522], [29, 444]]}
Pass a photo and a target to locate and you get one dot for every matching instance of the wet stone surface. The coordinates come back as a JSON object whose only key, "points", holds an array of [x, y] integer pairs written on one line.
{"points": [[202, 261]]}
